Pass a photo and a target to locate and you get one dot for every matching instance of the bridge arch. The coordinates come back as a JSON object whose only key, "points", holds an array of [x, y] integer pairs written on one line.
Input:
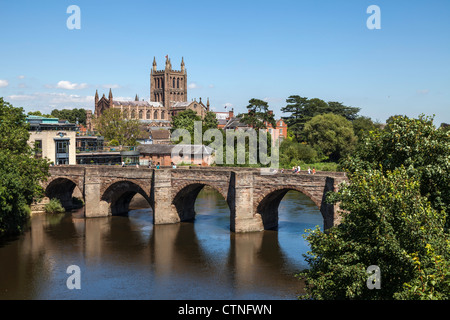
{"points": [[62, 188], [267, 205], [118, 195], [186, 195]]}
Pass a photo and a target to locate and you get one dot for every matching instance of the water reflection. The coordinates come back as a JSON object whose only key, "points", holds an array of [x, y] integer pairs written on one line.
{"points": [[127, 257]]}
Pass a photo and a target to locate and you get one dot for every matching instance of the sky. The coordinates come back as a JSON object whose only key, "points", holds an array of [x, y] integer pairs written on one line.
{"points": [[233, 50]]}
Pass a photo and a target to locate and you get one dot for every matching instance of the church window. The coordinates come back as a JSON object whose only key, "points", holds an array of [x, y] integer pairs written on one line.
{"points": [[155, 115], [133, 114], [162, 115], [173, 82], [148, 115], [178, 82], [141, 114]]}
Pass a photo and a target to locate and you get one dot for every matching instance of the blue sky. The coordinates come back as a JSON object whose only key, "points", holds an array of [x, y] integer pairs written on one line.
{"points": [[233, 50]]}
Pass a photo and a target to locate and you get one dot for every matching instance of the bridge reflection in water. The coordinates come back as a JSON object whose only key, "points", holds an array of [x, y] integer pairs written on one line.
{"points": [[128, 257]]}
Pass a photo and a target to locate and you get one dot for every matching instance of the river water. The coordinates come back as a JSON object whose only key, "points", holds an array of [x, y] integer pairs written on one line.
{"points": [[127, 257]]}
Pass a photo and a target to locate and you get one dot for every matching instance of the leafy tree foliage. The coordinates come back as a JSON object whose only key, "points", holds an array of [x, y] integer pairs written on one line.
{"points": [[331, 135], [387, 223], [258, 115], [71, 115], [38, 113], [292, 153], [302, 110], [186, 120], [394, 211], [415, 144], [20, 172], [362, 126], [112, 126]]}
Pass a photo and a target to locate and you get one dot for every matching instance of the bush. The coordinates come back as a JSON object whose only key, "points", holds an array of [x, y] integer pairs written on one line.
{"points": [[54, 206]]}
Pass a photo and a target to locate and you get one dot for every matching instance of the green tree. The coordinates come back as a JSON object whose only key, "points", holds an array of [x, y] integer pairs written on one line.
{"points": [[38, 113], [362, 126], [292, 153], [20, 172], [210, 121], [258, 115], [416, 145], [112, 126], [185, 120], [302, 110], [395, 216], [71, 115], [387, 223], [330, 134]]}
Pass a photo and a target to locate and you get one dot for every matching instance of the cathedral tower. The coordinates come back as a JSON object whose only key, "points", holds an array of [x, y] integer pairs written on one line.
{"points": [[168, 86]]}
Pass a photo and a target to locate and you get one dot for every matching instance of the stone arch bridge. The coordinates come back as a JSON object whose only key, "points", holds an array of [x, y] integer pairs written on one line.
{"points": [[252, 197]]}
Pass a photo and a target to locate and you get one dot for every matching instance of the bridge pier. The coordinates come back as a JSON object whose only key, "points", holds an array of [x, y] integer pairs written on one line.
{"points": [[243, 218], [164, 212], [94, 206]]}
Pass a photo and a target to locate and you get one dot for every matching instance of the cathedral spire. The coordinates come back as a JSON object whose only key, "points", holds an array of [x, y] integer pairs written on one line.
{"points": [[136, 98], [154, 63], [182, 64]]}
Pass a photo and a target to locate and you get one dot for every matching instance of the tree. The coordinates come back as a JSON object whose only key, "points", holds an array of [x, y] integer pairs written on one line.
{"points": [[394, 215], [112, 126], [292, 153], [72, 115], [330, 134], [302, 110], [362, 126], [388, 224], [39, 114], [20, 172], [185, 120], [210, 121], [299, 115], [258, 115], [416, 145]]}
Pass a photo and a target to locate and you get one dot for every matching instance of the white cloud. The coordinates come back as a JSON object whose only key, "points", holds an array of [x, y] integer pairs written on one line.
{"points": [[21, 77], [71, 86], [111, 86], [53, 98], [3, 83], [21, 97], [193, 85]]}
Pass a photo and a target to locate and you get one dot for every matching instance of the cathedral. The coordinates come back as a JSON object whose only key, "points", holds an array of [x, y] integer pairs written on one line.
{"points": [[168, 97]]}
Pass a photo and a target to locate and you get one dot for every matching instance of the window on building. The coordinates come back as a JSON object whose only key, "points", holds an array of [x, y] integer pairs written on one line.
{"points": [[155, 115], [141, 114], [38, 148], [162, 115], [148, 115], [62, 151]]}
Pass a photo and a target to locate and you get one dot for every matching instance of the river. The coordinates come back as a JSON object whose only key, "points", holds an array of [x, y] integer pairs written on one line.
{"points": [[127, 257]]}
